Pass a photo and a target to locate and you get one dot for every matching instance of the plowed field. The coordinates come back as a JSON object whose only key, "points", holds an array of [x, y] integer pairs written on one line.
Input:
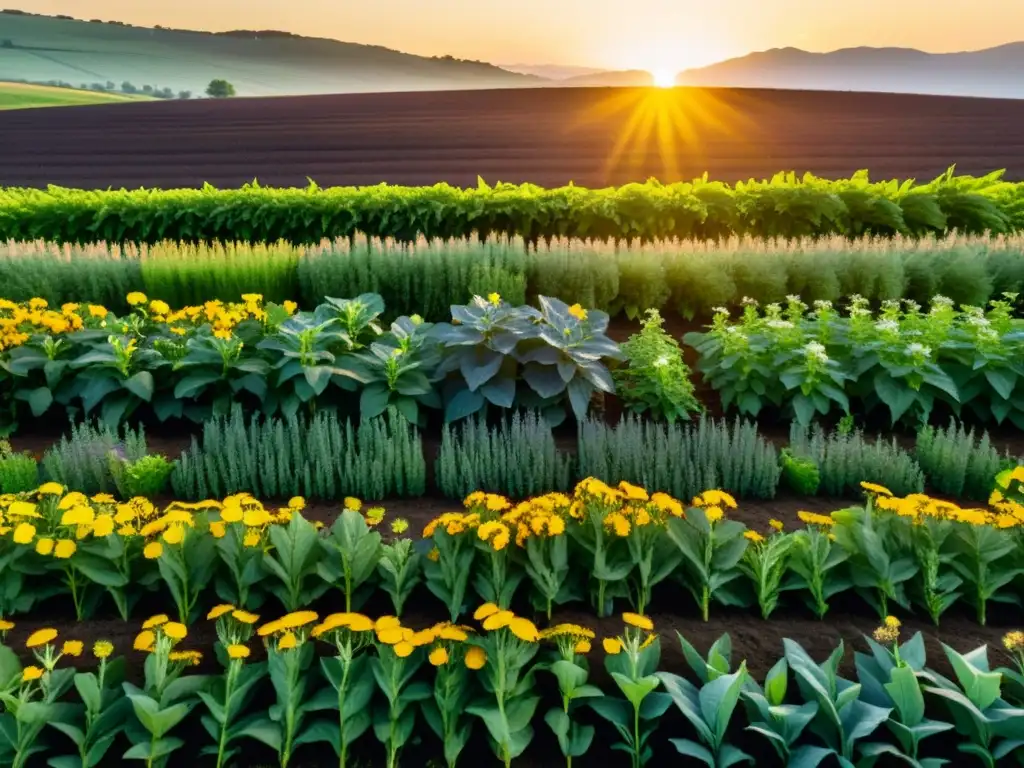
{"points": [[590, 136]]}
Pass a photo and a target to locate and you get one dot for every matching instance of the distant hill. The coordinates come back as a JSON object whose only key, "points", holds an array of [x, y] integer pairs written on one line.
{"points": [[257, 63], [619, 78], [552, 71], [993, 72], [25, 95]]}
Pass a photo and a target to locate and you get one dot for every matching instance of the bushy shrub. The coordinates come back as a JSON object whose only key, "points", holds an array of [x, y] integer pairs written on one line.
{"points": [[322, 457], [847, 460], [518, 458], [81, 460], [19, 472], [681, 459], [654, 379], [957, 463], [147, 476], [800, 474]]}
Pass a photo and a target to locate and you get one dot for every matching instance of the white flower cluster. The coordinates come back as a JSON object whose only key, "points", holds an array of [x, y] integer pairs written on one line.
{"points": [[917, 349], [815, 351], [887, 326], [779, 324]]}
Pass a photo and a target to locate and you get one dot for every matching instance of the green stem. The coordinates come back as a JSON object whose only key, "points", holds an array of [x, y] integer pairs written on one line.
{"points": [[342, 690], [636, 736], [229, 685], [73, 586], [289, 720], [600, 598]]}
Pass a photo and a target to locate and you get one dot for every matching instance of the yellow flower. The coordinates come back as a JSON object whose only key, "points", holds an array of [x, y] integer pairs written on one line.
{"points": [[245, 617], [886, 634], [290, 307], [476, 657], [101, 649], [387, 622], [638, 620], [352, 503], [41, 637], [715, 498], [619, 524], [104, 526], [65, 548], [217, 611], [28, 674], [485, 610], [155, 621], [97, 310], [236, 651], [287, 641], [153, 550], [190, 657], [879, 490], [439, 656], [231, 514], [218, 529], [158, 307], [612, 646], [136, 297], [1014, 641], [392, 635], [892, 622], [50, 489], [22, 509], [6, 626], [175, 630], [290, 621], [24, 533], [399, 525], [753, 536], [776, 524], [633, 492], [144, 640], [713, 514], [403, 649], [296, 502], [494, 298], [72, 648], [582, 646], [578, 312], [812, 518], [524, 629], [44, 546], [252, 539], [498, 620]]}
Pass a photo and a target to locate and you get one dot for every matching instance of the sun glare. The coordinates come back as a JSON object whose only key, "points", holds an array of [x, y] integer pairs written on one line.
{"points": [[664, 78]]}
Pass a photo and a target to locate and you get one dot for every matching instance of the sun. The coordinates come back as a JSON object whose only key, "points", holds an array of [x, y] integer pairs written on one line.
{"points": [[664, 78]]}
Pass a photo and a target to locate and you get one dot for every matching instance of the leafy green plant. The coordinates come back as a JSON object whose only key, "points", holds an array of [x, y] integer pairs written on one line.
{"points": [[992, 729], [571, 670], [147, 476], [843, 719], [782, 724], [352, 554], [400, 570], [654, 378], [881, 561], [81, 460], [293, 564], [766, 562]]}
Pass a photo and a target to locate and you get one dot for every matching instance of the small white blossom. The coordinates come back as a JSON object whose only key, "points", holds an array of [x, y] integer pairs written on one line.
{"points": [[919, 349], [940, 301], [978, 320], [887, 326], [779, 324], [661, 362], [749, 302], [821, 304], [720, 311]]}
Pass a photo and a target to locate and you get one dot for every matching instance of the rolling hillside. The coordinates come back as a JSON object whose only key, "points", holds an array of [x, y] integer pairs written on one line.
{"points": [[24, 96], [993, 72], [44, 48]]}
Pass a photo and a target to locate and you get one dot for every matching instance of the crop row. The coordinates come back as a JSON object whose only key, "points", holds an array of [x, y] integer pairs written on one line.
{"points": [[686, 277], [199, 361], [785, 206], [336, 680], [603, 545]]}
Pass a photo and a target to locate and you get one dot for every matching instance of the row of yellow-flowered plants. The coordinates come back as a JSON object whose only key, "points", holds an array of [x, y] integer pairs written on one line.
{"points": [[335, 679], [604, 544]]}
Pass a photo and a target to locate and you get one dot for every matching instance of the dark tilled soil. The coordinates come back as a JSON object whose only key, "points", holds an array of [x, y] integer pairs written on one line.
{"points": [[591, 136]]}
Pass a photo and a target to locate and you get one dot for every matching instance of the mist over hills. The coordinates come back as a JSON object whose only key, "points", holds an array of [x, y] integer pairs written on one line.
{"points": [[993, 72], [273, 63]]}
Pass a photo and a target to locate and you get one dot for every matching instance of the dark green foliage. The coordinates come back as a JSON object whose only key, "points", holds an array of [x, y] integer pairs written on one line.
{"points": [[847, 460], [681, 459], [654, 378], [800, 474], [322, 458], [785, 206], [19, 472], [81, 460], [518, 458], [957, 463]]}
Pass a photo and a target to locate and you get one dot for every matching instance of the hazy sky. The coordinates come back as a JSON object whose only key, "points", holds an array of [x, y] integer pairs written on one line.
{"points": [[647, 34]]}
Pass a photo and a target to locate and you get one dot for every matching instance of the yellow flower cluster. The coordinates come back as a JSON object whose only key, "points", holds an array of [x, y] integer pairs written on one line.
{"points": [[19, 322], [495, 520], [160, 633], [889, 632], [53, 522], [920, 507], [495, 618]]}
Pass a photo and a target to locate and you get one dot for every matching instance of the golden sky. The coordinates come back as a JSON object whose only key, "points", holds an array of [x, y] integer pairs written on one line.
{"points": [[621, 34]]}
